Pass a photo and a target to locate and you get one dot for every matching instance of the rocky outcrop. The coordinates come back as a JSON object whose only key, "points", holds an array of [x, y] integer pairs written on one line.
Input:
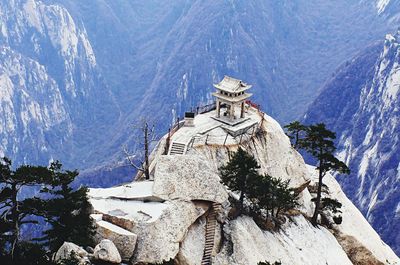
{"points": [[354, 225], [356, 252], [124, 240], [106, 251], [271, 147], [298, 242], [192, 247], [169, 214], [187, 178], [160, 240], [69, 250]]}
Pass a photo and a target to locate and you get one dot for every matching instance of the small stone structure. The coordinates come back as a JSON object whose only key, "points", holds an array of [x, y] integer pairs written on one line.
{"points": [[189, 117], [231, 92]]}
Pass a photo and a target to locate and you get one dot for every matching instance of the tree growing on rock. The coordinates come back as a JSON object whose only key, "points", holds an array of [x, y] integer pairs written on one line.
{"points": [[318, 141], [332, 207], [295, 131], [272, 195], [238, 172]]}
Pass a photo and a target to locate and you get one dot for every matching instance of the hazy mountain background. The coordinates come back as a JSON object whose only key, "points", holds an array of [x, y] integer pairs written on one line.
{"points": [[76, 75], [361, 104]]}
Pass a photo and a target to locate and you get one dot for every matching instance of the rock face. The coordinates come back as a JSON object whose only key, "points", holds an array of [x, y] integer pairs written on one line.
{"points": [[272, 150], [51, 90], [192, 247], [107, 252], [68, 249], [169, 215], [297, 243], [159, 226], [124, 240], [187, 178], [354, 226], [160, 240], [363, 99]]}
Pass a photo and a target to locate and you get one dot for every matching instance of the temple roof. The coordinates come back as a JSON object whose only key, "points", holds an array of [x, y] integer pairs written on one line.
{"points": [[232, 99], [232, 85]]}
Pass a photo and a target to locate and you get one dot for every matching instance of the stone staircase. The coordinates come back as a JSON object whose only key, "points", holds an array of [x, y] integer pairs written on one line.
{"points": [[177, 149], [210, 233]]}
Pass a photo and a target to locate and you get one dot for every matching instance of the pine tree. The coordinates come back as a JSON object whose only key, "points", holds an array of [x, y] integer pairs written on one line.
{"points": [[318, 141], [329, 205], [68, 211], [295, 131], [14, 211], [238, 171], [65, 208], [271, 194]]}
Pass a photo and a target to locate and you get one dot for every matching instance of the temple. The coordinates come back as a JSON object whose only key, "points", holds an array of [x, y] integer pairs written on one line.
{"points": [[230, 93]]}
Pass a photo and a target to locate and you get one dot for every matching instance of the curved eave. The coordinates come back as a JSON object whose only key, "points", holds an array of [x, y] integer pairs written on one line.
{"points": [[232, 99], [229, 90]]}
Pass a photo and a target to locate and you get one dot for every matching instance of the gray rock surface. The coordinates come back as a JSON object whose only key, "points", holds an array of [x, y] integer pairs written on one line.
{"points": [[188, 178], [192, 247], [297, 243], [124, 240], [160, 240], [107, 251], [68, 249], [173, 229]]}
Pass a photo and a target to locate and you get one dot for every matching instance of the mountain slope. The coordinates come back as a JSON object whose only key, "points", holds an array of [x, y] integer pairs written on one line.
{"points": [[53, 99], [168, 213], [285, 49], [160, 59], [361, 103], [112, 62], [389, 9]]}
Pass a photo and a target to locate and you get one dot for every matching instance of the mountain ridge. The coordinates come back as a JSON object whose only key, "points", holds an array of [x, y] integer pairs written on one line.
{"points": [[366, 120]]}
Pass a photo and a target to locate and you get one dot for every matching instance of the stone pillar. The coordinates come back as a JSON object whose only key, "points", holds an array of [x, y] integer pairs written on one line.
{"points": [[232, 114], [218, 108], [242, 110]]}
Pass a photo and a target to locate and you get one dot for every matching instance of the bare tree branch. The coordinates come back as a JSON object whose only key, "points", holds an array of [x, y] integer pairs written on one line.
{"points": [[145, 136], [128, 157]]}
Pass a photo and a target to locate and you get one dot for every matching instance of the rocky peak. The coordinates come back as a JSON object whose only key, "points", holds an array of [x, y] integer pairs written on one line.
{"points": [[173, 214]]}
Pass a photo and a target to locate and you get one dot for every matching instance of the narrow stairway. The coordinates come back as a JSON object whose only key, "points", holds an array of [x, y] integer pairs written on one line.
{"points": [[177, 149], [210, 233]]}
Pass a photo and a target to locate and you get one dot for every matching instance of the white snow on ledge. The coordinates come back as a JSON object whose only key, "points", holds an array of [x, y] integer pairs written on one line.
{"points": [[114, 228], [131, 210], [142, 190]]}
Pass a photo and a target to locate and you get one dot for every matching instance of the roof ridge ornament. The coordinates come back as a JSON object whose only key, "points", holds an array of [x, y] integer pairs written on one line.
{"points": [[232, 85]]}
